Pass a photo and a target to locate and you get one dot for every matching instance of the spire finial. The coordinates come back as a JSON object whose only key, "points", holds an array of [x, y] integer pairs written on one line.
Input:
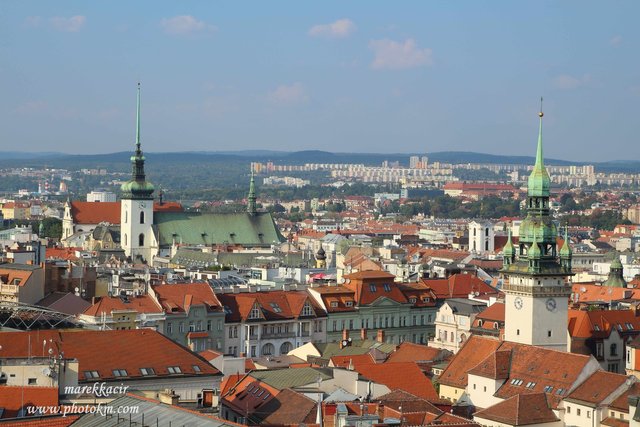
{"points": [[539, 158], [251, 198], [138, 120]]}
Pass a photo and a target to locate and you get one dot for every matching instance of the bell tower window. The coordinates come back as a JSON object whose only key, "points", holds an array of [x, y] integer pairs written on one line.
{"points": [[141, 239], [142, 217]]}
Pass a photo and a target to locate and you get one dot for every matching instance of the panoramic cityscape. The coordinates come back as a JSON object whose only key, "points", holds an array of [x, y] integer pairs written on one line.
{"points": [[418, 214]]}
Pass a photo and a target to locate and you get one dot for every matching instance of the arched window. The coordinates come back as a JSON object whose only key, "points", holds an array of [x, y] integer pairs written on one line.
{"points": [[285, 348], [268, 349], [141, 239], [142, 217]]}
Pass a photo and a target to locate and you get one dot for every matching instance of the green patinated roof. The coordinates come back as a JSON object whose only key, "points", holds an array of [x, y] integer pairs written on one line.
{"points": [[195, 258], [508, 249], [565, 251], [539, 180], [289, 378], [328, 350], [196, 228], [616, 277]]}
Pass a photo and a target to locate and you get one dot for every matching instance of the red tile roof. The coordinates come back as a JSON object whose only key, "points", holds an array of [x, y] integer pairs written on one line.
{"points": [[45, 421], [458, 286], [141, 304], [274, 305], [95, 212], [105, 351], [495, 366], [595, 389], [14, 398], [406, 376], [67, 254], [474, 351], [594, 293], [410, 352], [600, 323], [178, 298], [352, 361], [521, 409]]}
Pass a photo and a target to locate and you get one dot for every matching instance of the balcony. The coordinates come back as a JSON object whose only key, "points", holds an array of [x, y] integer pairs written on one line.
{"points": [[276, 335]]}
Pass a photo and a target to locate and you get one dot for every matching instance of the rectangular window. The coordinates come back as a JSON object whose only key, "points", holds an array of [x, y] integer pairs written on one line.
{"points": [[147, 371], [372, 287], [174, 370], [578, 412], [387, 287], [33, 381], [169, 328]]}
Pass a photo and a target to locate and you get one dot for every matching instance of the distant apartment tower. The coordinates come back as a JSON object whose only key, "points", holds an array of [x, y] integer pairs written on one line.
{"points": [[101, 196], [413, 162], [481, 236]]}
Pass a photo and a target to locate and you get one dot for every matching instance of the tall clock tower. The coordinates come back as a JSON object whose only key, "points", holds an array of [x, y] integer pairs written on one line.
{"points": [[536, 276], [136, 206]]}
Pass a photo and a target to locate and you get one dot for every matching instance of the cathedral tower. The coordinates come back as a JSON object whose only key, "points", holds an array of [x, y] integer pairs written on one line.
{"points": [[136, 206], [536, 284]]}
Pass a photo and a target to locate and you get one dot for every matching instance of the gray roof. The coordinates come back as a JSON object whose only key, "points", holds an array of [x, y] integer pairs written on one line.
{"points": [[152, 411], [290, 378], [465, 306]]}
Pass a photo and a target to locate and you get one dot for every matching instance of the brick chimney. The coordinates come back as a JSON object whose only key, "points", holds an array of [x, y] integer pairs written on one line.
{"points": [[380, 336], [363, 334], [345, 334]]}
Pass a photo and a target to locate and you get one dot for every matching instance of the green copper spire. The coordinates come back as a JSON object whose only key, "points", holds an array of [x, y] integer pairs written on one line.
{"points": [[534, 249], [137, 187], [251, 199], [508, 247], [539, 181], [565, 251], [616, 276]]}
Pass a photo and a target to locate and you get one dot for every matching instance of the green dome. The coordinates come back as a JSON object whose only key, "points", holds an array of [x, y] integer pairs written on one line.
{"points": [[616, 278], [616, 264], [137, 189]]}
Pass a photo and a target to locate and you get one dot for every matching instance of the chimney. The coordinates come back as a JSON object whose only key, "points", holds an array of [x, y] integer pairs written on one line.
{"points": [[345, 334], [380, 336], [168, 397], [363, 334]]}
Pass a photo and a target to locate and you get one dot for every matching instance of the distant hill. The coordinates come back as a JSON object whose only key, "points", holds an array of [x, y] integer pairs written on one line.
{"points": [[120, 160]]}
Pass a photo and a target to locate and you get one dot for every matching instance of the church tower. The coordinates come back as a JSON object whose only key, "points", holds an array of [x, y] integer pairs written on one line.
{"points": [[136, 206], [536, 284]]}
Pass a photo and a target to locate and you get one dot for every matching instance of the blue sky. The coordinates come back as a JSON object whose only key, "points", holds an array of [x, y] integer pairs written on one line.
{"points": [[360, 76]]}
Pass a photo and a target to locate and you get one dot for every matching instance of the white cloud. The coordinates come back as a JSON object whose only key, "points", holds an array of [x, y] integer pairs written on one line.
{"points": [[69, 25], [185, 24], [289, 94], [568, 82], [338, 29], [399, 55], [31, 107], [615, 41]]}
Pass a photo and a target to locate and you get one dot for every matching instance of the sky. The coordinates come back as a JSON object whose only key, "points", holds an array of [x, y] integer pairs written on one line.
{"points": [[357, 76]]}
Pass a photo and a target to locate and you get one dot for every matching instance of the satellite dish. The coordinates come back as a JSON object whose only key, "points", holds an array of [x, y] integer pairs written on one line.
{"points": [[583, 289], [344, 343]]}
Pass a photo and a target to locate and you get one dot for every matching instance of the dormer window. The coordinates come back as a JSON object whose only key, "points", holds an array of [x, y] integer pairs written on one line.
{"points": [[387, 287], [307, 310], [334, 304], [425, 299], [255, 312], [412, 300], [372, 287], [349, 303]]}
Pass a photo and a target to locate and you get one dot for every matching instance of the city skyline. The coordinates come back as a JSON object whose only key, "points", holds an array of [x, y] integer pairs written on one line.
{"points": [[425, 77]]}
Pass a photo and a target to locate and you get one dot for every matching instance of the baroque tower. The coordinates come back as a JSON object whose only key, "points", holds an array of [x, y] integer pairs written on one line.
{"points": [[536, 277], [136, 206]]}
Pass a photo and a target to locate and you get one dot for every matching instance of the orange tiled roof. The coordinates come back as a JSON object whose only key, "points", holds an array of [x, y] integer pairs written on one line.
{"points": [[593, 293], [105, 351], [458, 286], [495, 312], [178, 298], [495, 366], [410, 352], [406, 376], [45, 421], [95, 212], [521, 409], [597, 388], [67, 254], [274, 305], [600, 323], [141, 304], [12, 275], [14, 398], [474, 351], [352, 361]]}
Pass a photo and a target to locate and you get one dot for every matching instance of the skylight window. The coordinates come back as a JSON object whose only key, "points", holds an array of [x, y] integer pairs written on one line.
{"points": [[548, 389], [147, 371], [174, 370], [119, 372], [196, 369], [91, 375], [596, 328], [276, 307]]}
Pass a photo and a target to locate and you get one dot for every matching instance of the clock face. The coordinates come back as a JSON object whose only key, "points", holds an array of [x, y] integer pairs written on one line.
{"points": [[551, 304], [518, 303]]}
